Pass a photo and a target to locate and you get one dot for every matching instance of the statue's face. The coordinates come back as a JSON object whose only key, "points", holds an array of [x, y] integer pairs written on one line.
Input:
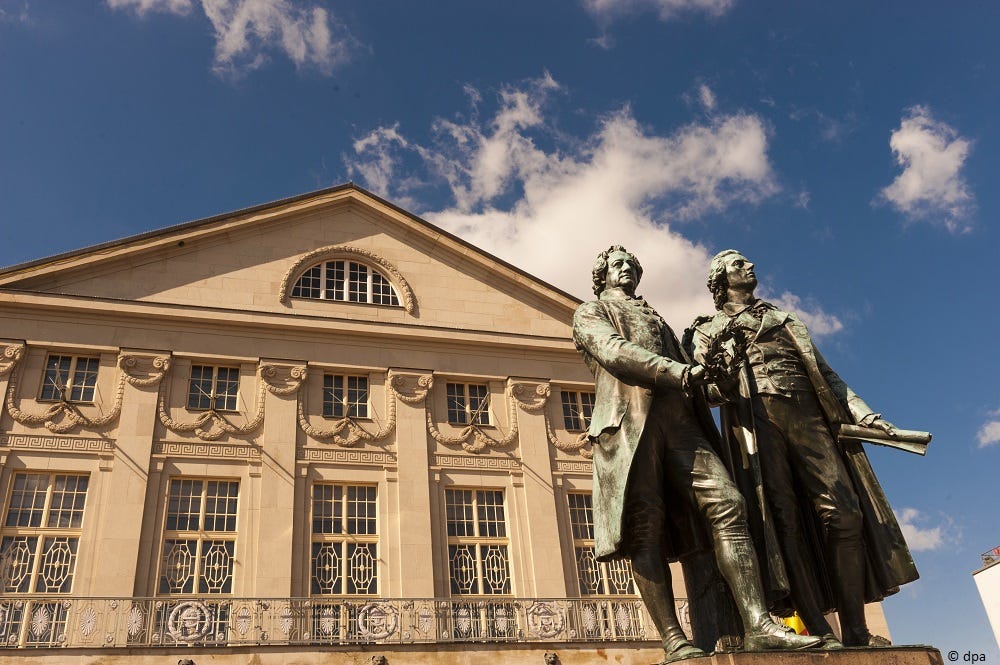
{"points": [[739, 272], [622, 272]]}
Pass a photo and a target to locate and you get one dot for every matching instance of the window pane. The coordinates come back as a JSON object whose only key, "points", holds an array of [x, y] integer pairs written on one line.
{"points": [[382, 291], [308, 286], [479, 404], [462, 569], [184, 505], [357, 396], [335, 280], [220, 505], [490, 514], [227, 385], [328, 396], [84, 379], [362, 568], [581, 515], [496, 576], [27, 500], [17, 558], [327, 562], [458, 505], [56, 376], [177, 567], [571, 415], [69, 493], [587, 401], [55, 570], [456, 404], [357, 283], [200, 388], [216, 567]]}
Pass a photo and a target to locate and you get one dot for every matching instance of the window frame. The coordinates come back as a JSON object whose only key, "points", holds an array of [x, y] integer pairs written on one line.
{"points": [[583, 544], [575, 409], [344, 539], [478, 542], [213, 396], [480, 416], [201, 535], [66, 392], [43, 532], [344, 403], [373, 293]]}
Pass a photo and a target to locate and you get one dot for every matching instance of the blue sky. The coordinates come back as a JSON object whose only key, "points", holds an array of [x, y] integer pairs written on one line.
{"points": [[845, 147]]}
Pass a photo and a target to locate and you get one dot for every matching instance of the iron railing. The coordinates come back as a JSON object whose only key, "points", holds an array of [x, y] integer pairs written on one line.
{"points": [[99, 623]]}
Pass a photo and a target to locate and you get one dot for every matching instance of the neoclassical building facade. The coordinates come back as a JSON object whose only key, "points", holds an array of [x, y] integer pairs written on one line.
{"points": [[318, 422]]}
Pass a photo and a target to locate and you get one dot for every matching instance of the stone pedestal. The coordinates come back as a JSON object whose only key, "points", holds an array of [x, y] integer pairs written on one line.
{"points": [[903, 655]]}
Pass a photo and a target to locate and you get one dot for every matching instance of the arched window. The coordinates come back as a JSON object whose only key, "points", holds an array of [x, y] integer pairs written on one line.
{"points": [[345, 280]]}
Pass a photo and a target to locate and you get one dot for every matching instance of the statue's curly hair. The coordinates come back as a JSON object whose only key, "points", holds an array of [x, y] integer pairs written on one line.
{"points": [[600, 271], [717, 282]]}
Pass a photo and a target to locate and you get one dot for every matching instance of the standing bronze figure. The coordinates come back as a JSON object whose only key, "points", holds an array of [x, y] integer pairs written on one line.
{"points": [[660, 490], [835, 543]]}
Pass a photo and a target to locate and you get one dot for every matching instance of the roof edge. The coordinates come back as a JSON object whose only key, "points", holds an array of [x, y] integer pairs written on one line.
{"points": [[348, 186]]}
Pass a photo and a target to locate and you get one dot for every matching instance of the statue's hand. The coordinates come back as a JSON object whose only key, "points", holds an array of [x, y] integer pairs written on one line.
{"points": [[698, 376], [885, 426]]}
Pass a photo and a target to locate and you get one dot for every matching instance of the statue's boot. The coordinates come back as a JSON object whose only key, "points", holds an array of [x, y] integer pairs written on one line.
{"points": [[738, 564], [657, 593], [849, 585], [804, 593]]}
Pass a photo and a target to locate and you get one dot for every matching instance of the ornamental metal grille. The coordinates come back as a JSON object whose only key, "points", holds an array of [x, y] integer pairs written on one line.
{"points": [[594, 577], [468, 403], [347, 281], [344, 554], [41, 532], [102, 624], [478, 558], [345, 396], [70, 378], [578, 407], [199, 537], [213, 388]]}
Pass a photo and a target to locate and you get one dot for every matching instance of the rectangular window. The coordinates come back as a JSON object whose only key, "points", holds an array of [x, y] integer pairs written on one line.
{"points": [[468, 403], [595, 578], [199, 536], [577, 408], [344, 555], [69, 378], [213, 388], [477, 542], [345, 396], [41, 532]]}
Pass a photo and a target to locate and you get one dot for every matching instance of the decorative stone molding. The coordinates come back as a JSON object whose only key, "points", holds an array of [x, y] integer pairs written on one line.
{"points": [[339, 456], [537, 395], [422, 384], [58, 443], [212, 425], [574, 467], [354, 431], [476, 462], [11, 356], [217, 451], [346, 251], [63, 416], [581, 444]]}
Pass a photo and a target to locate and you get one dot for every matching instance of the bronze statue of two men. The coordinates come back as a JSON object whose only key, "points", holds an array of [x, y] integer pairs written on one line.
{"points": [[795, 519]]}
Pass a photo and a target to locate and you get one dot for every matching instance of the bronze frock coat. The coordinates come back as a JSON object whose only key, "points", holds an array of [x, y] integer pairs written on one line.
{"points": [[630, 349]]}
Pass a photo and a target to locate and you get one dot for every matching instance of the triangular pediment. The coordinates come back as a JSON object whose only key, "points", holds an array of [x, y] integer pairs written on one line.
{"points": [[250, 259]]}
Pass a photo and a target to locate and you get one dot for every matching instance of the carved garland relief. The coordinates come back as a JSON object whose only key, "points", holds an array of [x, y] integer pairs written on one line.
{"points": [[211, 425]]}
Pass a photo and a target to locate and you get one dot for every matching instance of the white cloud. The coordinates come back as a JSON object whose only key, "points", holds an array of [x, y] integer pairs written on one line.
{"points": [[931, 186], [549, 203], [918, 538], [606, 10], [14, 12], [247, 30], [989, 433], [819, 323]]}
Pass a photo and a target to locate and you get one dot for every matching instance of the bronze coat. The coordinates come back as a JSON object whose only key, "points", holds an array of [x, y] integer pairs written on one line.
{"points": [[889, 562], [630, 349]]}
